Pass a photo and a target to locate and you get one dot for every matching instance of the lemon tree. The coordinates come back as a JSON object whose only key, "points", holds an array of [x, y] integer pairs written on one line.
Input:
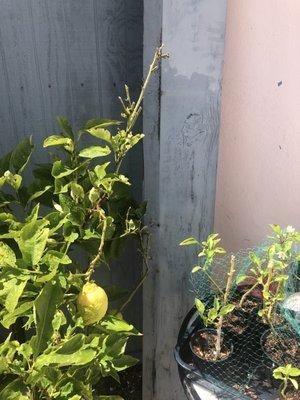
{"points": [[64, 331]]}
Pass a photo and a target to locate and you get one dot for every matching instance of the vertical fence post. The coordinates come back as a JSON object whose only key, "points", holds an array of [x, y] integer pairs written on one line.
{"points": [[181, 123]]}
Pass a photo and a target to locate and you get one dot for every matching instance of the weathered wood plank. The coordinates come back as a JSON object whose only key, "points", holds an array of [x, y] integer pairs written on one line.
{"points": [[151, 127], [184, 183]]}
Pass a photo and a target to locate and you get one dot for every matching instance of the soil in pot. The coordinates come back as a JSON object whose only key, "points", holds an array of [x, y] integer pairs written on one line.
{"points": [[238, 321], [203, 345], [281, 349], [291, 395]]}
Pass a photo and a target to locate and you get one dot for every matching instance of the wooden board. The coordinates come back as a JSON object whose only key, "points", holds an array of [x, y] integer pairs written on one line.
{"points": [[181, 123]]}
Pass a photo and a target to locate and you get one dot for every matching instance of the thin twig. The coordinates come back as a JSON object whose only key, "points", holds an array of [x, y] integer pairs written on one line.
{"points": [[212, 281], [145, 254], [158, 55], [98, 256], [225, 300], [243, 298]]}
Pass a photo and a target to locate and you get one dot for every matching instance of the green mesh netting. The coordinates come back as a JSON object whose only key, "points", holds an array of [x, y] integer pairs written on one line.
{"points": [[258, 348]]}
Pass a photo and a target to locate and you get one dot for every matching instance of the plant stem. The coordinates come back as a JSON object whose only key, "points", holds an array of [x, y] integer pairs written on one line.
{"points": [[225, 300], [213, 281], [158, 55], [145, 254], [284, 387], [266, 289], [243, 298], [97, 258]]}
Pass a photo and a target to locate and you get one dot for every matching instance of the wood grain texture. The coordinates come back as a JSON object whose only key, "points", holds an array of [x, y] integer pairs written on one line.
{"points": [[151, 125], [71, 58], [182, 153]]}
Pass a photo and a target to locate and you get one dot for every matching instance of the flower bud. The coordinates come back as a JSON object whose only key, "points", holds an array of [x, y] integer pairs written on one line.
{"points": [[92, 303]]}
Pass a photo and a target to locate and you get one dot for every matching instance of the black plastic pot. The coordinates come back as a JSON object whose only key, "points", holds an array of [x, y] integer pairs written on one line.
{"points": [[203, 363], [270, 361], [199, 384]]}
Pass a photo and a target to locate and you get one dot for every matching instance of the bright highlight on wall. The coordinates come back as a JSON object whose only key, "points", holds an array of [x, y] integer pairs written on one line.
{"points": [[259, 155]]}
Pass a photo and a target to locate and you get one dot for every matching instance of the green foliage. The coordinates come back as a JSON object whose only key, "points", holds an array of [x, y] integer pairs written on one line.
{"points": [[209, 250], [80, 202], [287, 374], [211, 316], [269, 271]]}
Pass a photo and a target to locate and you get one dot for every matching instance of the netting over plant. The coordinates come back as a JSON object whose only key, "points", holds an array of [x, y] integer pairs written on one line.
{"points": [[260, 318]]}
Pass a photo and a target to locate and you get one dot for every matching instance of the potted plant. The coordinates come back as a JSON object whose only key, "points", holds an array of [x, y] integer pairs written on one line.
{"points": [[209, 344], [63, 330], [288, 375], [260, 324], [269, 273]]}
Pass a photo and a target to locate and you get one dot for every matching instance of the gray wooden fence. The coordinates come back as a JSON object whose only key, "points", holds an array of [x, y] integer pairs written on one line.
{"points": [[70, 58], [181, 123]]}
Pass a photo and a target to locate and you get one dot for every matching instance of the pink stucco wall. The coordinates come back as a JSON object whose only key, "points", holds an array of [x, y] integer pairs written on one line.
{"points": [[259, 155]]}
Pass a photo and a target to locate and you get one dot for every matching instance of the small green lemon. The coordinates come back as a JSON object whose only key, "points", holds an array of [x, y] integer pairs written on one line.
{"points": [[92, 303]]}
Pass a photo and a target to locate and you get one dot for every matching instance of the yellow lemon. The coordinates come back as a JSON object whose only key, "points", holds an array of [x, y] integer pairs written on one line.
{"points": [[92, 303]]}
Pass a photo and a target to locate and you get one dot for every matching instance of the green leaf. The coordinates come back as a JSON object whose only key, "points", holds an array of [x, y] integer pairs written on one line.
{"points": [[77, 191], [254, 258], [45, 307], [100, 133], [277, 375], [294, 383], [59, 170], [80, 357], [276, 228], [7, 217], [212, 314], [294, 371], [200, 307], [95, 151], [56, 140], [189, 241], [14, 294], [124, 362], [11, 318], [100, 170], [14, 180], [65, 126], [94, 195], [196, 269], [39, 193], [114, 324], [115, 345], [101, 123], [21, 154], [72, 345], [217, 304], [226, 309], [7, 256], [54, 257], [32, 241], [281, 278], [15, 390]]}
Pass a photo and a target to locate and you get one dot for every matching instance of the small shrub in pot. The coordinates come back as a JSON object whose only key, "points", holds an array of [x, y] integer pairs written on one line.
{"points": [[209, 344], [269, 274], [288, 375]]}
